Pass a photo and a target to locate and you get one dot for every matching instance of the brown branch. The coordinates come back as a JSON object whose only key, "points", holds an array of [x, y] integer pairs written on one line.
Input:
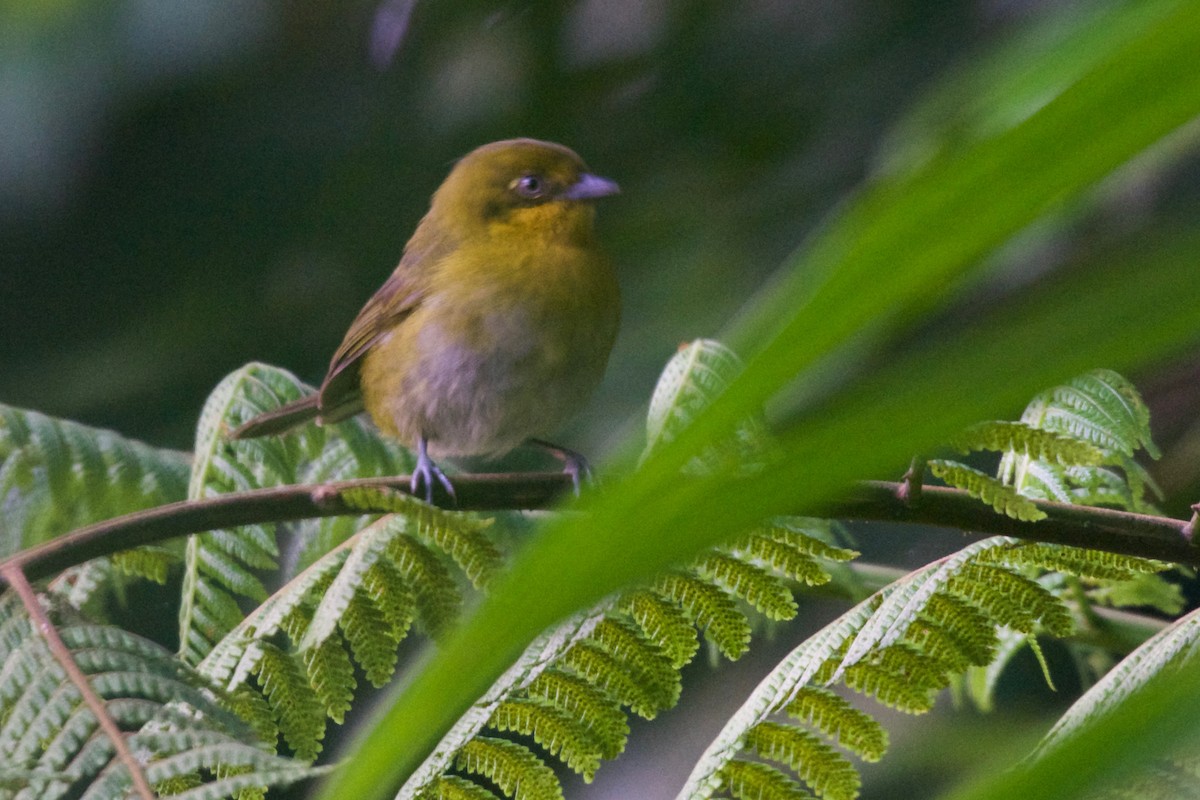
{"points": [[1082, 526], [12, 575], [474, 492]]}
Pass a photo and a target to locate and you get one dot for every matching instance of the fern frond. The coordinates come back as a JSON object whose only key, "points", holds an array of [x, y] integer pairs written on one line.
{"points": [[297, 708], [452, 787], [175, 722], [749, 780], [518, 772], [541, 665], [1000, 496], [664, 623], [588, 705], [1086, 563], [1100, 407], [57, 475], [602, 669], [219, 566], [331, 675], [437, 595], [768, 594], [458, 535], [833, 716], [1036, 443], [1171, 648], [712, 611], [792, 553], [900, 646], [1011, 599], [149, 562], [820, 766], [900, 677], [555, 731], [692, 378]]}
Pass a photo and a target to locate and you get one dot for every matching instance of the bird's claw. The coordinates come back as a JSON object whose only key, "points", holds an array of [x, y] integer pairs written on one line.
{"points": [[425, 472], [574, 464]]}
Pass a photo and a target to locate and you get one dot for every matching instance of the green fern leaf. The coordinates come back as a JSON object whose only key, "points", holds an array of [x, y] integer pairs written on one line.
{"points": [[831, 714], [603, 670], [664, 623], [890, 688], [820, 766], [1022, 438], [555, 731], [452, 787], [749, 780], [690, 381], [50, 739], [57, 475], [331, 675], [652, 668], [297, 708], [150, 563], [960, 626], [768, 594], [370, 638], [1094, 564], [1100, 407], [437, 596], [999, 496], [589, 706], [518, 772], [1011, 599], [710, 609]]}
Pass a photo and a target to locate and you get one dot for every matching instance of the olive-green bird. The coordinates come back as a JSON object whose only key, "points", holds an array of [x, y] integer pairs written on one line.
{"points": [[495, 327]]}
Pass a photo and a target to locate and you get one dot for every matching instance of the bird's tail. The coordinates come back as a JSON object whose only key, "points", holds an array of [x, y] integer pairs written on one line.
{"points": [[277, 421]]}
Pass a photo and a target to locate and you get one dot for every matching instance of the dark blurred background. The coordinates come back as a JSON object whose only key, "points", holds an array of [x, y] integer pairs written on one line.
{"points": [[185, 187]]}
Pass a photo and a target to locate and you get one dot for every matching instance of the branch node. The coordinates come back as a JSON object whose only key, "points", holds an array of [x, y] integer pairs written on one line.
{"points": [[909, 489], [1189, 530]]}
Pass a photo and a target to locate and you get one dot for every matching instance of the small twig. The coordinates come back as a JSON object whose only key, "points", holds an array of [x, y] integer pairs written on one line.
{"points": [[14, 577], [909, 490], [1189, 530]]}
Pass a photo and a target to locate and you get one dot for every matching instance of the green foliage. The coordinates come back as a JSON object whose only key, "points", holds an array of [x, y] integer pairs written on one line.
{"points": [[1005, 499], [177, 723], [694, 377], [57, 475], [569, 689], [353, 605], [901, 647], [220, 565]]}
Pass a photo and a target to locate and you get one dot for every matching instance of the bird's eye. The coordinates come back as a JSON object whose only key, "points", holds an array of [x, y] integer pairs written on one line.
{"points": [[530, 186]]}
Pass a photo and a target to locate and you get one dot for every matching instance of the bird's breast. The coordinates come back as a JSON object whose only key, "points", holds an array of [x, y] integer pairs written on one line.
{"points": [[499, 356]]}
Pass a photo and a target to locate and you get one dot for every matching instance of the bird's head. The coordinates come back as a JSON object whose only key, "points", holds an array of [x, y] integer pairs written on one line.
{"points": [[542, 187]]}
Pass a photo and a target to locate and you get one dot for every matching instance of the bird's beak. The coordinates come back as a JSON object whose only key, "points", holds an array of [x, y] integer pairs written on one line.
{"points": [[590, 187]]}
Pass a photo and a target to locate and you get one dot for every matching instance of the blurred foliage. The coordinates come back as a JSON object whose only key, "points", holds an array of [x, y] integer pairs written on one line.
{"points": [[188, 187]]}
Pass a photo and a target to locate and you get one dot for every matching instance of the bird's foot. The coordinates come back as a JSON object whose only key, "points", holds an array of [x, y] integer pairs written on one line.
{"points": [[575, 464], [425, 472]]}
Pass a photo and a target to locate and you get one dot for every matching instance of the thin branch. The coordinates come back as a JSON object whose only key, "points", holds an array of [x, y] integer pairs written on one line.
{"points": [[1122, 532], [12, 575], [475, 492], [1081, 526]]}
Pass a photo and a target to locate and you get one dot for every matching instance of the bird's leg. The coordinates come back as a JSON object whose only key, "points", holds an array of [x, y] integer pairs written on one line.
{"points": [[574, 464], [426, 471]]}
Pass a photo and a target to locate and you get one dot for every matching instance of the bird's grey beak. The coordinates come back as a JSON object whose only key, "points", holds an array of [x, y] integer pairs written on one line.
{"points": [[590, 187]]}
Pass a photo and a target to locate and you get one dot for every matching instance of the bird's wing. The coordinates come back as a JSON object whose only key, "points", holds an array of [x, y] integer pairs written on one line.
{"points": [[400, 294]]}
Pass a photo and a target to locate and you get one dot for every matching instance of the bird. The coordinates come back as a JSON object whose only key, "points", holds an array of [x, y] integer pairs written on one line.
{"points": [[495, 327]]}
